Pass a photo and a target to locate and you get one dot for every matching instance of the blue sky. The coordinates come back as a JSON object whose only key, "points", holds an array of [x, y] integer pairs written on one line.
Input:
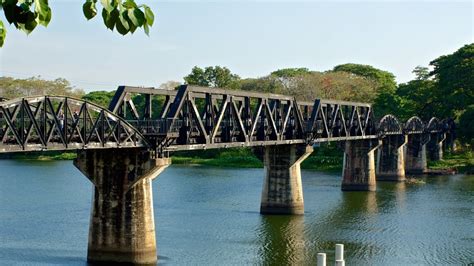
{"points": [[249, 37]]}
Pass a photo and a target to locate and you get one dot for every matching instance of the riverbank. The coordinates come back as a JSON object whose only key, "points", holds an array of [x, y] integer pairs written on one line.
{"points": [[323, 159], [461, 162]]}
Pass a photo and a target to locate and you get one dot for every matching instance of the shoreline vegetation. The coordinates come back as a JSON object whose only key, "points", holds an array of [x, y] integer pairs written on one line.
{"points": [[325, 159]]}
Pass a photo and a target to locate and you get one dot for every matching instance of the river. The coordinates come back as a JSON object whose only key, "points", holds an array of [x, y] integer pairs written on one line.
{"points": [[210, 216]]}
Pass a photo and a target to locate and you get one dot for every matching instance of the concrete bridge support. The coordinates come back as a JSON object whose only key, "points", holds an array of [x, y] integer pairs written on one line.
{"points": [[435, 146], [415, 155], [282, 189], [122, 228], [390, 159], [358, 173]]}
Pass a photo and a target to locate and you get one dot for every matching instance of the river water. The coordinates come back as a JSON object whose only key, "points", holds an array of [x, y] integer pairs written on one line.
{"points": [[210, 216]]}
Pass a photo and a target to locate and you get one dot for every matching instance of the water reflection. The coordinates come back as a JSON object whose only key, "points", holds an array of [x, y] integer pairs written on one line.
{"points": [[282, 240]]}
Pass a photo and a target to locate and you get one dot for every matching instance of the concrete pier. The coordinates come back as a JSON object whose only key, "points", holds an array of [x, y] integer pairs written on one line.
{"points": [[282, 189], [122, 228], [358, 173], [390, 159], [415, 155], [435, 146]]}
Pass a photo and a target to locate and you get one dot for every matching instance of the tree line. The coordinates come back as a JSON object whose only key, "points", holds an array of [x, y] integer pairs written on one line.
{"points": [[445, 91]]}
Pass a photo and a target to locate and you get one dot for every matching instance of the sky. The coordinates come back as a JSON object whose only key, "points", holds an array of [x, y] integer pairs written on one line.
{"points": [[251, 38]]}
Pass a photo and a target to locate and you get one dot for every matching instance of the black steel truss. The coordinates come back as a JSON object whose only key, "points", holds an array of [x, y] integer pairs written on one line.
{"points": [[193, 118], [62, 123]]}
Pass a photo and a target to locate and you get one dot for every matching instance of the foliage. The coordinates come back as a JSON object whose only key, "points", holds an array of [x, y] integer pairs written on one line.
{"points": [[101, 98], [290, 72], [416, 97], [466, 126], [462, 161], [266, 84], [216, 77], [386, 80], [311, 85], [454, 75], [13, 88], [386, 100], [123, 15]]}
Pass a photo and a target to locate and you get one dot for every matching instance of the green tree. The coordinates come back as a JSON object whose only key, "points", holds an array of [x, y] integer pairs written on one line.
{"points": [[216, 77], [466, 126], [387, 100], [418, 96], [123, 15], [13, 88], [101, 98], [454, 74]]}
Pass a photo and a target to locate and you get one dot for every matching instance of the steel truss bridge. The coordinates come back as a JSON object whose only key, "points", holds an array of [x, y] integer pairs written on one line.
{"points": [[190, 118]]}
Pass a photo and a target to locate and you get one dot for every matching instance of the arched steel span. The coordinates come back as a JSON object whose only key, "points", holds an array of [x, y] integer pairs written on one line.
{"points": [[434, 126], [389, 125], [62, 123], [414, 125]]}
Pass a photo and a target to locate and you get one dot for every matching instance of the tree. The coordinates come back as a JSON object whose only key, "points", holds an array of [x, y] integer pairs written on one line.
{"points": [[169, 85], [466, 126], [386, 101], [12, 88], [216, 77], [454, 74], [123, 15], [101, 98], [417, 97], [311, 85], [288, 76]]}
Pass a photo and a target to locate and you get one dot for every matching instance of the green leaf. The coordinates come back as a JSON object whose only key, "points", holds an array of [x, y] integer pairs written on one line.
{"points": [[146, 28], [150, 17], [136, 16], [30, 24], [109, 5], [3, 33], [89, 9], [130, 4], [122, 25], [110, 18], [43, 11]]}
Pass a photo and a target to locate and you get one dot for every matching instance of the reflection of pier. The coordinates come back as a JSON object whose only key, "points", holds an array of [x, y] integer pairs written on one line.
{"points": [[283, 240]]}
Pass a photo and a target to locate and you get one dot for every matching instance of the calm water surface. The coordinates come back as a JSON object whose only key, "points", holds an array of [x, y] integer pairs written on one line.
{"points": [[210, 216]]}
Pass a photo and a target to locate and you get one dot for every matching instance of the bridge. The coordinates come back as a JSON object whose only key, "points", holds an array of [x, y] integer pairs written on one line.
{"points": [[121, 149]]}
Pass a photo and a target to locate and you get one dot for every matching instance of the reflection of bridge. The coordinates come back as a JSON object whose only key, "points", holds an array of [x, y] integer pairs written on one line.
{"points": [[123, 148]]}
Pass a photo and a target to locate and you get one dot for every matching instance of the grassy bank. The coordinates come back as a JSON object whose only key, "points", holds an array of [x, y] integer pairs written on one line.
{"points": [[327, 159], [323, 159], [40, 156], [462, 161]]}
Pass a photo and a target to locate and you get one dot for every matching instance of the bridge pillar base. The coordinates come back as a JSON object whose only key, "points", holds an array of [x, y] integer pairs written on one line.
{"points": [[435, 146], [358, 173], [390, 159], [415, 155], [122, 228], [282, 189]]}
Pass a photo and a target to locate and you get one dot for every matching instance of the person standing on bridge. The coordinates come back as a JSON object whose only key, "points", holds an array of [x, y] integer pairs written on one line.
{"points": [[76, 116], [61, 120]]}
